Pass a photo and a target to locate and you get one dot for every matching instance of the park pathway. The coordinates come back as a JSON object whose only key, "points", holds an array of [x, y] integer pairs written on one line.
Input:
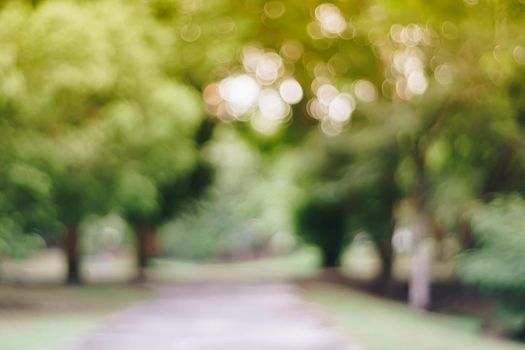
{"points": [[219, 317]]}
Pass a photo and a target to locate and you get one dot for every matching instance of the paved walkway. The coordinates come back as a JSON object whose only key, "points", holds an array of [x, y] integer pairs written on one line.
{"points": [[219, 317]]}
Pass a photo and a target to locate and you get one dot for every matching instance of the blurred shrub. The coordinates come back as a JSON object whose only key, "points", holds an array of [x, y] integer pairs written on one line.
{"points": [[214, 230], [497, 265], [321, 221], [105, 235], [247, 211]]}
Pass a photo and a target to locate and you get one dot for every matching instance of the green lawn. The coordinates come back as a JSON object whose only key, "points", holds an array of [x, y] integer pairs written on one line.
{"points": [[379, 324], [42, 318]]}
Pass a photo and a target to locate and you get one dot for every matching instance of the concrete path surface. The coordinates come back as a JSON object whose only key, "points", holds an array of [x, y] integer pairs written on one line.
{"points": [[219, 317]]}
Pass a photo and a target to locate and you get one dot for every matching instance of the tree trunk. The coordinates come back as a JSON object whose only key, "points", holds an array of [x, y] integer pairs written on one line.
{"points": [[330, 259], [386, 256], [72, 256], [466, 237], [384, 246], [145, 247], [419, 284], [420, 280]]}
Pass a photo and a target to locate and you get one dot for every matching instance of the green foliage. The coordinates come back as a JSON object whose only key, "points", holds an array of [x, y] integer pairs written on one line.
{"points": [[497, 265], [92, 121], [14, 243], [246, 206], [358, 170], [213, 231], [157, 156]]}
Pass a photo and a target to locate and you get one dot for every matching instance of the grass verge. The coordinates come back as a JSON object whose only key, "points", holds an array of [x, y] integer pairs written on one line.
{"points": [[48, 318], [379, 324]]}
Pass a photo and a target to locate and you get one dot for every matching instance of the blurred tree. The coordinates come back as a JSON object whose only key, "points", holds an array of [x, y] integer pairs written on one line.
{"points": [[106, 126], [438, 65], [159, 169], [321, 221], [360, 167]]}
